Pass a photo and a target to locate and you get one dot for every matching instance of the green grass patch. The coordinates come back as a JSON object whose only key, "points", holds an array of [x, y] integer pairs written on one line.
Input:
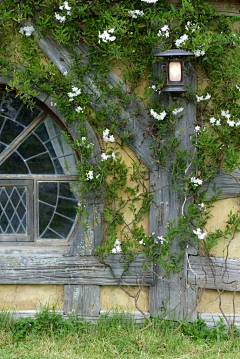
{"points": [[50, 336]]}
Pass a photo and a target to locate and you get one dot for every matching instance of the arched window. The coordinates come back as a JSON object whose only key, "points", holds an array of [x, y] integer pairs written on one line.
{"points": [[37, 170]]}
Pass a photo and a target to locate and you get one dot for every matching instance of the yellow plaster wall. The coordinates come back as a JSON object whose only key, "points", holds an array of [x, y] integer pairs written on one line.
{"points": [[129, 157], [114, 298], [219, 221], [30, 297], [209, 302]]}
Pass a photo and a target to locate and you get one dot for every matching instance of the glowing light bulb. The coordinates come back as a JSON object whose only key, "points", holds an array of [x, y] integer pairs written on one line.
{"points": [[175, 71]]}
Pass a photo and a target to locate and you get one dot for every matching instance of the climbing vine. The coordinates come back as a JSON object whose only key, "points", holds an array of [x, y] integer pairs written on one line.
{"points": [[122, 35]]}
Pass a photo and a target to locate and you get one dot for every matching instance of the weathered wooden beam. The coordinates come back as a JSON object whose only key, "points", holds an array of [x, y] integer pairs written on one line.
{"points": [[213, 273], [49, 267], [212, 319], [227, 183], [170, 296], [137, 124], [82, 300]]}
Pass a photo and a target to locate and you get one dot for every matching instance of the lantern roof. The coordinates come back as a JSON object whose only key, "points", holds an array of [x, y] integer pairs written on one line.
{"points": [[174, 52]]}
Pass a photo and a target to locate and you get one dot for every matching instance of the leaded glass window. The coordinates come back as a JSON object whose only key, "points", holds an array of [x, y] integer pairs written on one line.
{"points": [[37, 173]]}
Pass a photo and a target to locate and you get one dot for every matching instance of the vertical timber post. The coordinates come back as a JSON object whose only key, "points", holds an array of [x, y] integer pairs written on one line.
{"points": [[171, 297]]}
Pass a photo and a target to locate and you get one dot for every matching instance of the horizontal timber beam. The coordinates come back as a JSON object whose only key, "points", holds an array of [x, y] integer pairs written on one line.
{"points": [[214, 273], [42, 268]]}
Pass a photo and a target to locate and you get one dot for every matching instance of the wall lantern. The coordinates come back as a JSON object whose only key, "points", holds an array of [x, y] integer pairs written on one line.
{"points": [[175, 66]]}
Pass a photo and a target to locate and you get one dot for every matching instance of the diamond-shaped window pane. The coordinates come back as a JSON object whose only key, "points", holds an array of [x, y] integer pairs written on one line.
{"points": [[13, 209]]}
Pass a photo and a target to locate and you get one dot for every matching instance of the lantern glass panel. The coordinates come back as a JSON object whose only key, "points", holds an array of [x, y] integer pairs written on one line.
{"points": [[175, 71]]}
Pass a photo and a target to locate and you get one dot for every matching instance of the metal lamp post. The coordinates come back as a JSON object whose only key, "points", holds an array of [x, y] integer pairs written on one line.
{"points": [[175, 66]]}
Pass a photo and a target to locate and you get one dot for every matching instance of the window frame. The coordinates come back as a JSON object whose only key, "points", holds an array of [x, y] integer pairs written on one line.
{"points": [[32, 181]]}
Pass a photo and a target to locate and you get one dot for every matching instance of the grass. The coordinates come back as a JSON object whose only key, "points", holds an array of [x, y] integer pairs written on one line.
{"points": [[49, 336]]}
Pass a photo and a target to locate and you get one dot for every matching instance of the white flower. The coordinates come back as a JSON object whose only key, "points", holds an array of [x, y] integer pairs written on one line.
{"points": [[218, 122], [153, 87], [135, 13], [199, 98], [182, 40], [105, 36], [106, 136], [65, 73], [97, 175], [199, 233], [164, 31], [225, 114], [89, 175], [113, 156], [141, 242], [189, 24], [196, 181], [212, 120], [202, 206], [79, 109], [160, 116], [162, 239], [67, 7], [76, 92], [111, 138], [59, 17], [177, 110], [238, 87], [26, 30], [197, 128], [53, 104], [104, 157], [231, 123], [117, 247], [150, 1], [237, 123], [197, 53]]}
